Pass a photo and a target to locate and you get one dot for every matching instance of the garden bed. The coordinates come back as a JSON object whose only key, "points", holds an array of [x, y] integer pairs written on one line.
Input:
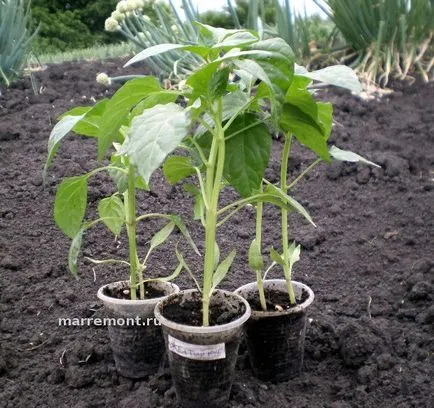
{"points": [[369, 262]]}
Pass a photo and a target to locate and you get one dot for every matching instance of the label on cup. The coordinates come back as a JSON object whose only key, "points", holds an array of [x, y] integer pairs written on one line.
{"points": [[197, 351]]}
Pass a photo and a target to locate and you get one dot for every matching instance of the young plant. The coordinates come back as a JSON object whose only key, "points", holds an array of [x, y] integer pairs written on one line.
{"points": [[230, 138], [142, 132], [311, 123]]}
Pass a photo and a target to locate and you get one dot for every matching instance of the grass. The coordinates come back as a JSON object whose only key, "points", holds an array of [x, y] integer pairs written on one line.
{"points": [[96, 53]]}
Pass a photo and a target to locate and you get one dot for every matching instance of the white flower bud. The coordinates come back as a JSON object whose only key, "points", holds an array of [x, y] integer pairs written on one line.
{"points": [[139, 4], [103, 79], [131, 5], [111, 25], [118, 16], [141, 37], [146, 18], [174, 28], [122, 6], [182, 85]]}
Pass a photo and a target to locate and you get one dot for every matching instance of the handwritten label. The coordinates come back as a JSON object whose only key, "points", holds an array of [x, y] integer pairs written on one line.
{"points": [[197, 351]]}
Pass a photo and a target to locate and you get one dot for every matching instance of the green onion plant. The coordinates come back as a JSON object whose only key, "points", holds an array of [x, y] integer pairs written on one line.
{"points": [[129, 20], [15, 38], [302, 32], [385, 37]]}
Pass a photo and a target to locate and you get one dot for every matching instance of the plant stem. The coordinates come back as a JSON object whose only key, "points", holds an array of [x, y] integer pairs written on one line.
{"points": [[213, 184], [131, 223], [284, 187], [306, 171], [259, 277]]}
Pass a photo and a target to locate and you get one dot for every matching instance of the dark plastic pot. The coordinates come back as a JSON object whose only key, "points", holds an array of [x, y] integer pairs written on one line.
{"points": [[275, 339], [202, 359], [138, 344]]}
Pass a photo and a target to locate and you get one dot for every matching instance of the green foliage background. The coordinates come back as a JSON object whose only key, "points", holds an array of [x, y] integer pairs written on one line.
{"points": [[71, 24]]}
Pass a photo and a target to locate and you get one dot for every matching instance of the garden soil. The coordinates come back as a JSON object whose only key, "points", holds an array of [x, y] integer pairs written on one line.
{"points": [[369, 261]]}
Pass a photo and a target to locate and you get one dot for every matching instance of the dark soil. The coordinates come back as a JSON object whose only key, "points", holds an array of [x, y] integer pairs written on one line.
{"points": [[189, 312], [369, 262], [125, 293], [275, 301]]}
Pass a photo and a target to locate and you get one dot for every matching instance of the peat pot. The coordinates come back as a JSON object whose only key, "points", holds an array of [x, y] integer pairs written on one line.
{"points": [[202, 359], [275, 339], [135, 335]]}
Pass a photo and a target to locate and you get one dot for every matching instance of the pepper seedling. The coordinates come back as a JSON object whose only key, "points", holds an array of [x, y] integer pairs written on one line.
{"points": [[143, 124], [310, 122], [230, 140]]}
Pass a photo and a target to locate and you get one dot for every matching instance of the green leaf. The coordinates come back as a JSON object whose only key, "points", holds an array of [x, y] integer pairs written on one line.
{"points": [[279, 66], [154, 98], [256, 260], [305, 129], [112, 212], [161, 236], [300, 99], [216, 254], [153, 135], [299, 96], [200, 81], [177, 168], [337, 75], [294, 253], [70, 204], [247, 153], [346, 155], [278, 46], [276, 257], [275, 58], [169, 278], [121, 178], [184, 231], [232, 102], [295, 205], [216, 34], [219, 83], [89, 125], [74, 252], [236, 54], [237, 39], [77, 111], [199, 207], [222, 270], [293, 257], [254, 69], [271, 198], [60, 130], [119, 106], [162, 48], [325, 117], [186, 267]]}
